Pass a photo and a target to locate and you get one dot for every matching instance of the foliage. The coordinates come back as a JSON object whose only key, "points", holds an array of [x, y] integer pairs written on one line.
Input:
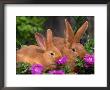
{"points": [[79, 20], [22, 68], [80, 65], [89, 45], [81, 69], [26, 26], [66, 69]]}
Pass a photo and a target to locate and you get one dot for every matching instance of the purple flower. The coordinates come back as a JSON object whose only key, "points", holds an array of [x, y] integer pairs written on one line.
{"points": [[56, 72], [62, 60], [36, 69], [89, 60]]}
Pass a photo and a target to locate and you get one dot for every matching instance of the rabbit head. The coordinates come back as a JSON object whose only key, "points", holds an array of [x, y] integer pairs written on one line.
{"points": [[73, 47], [51, 53]]}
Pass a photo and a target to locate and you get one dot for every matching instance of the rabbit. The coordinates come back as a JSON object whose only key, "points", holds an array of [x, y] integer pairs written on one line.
{"points": [[73, 48], [70, 45], [45, 53], [73, 39]]}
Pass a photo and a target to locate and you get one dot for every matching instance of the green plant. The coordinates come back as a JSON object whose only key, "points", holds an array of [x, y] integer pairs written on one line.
{"points": [[89, 45], [80, 65], [22, 68], [26, 26], [79, 20], [82, 68], [66, 69]]}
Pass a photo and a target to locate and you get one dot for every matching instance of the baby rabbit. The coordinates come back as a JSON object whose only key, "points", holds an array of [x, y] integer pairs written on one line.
{"points": [[45, 54]]}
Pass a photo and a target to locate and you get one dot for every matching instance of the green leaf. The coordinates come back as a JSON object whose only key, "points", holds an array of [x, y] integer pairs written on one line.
{"points": [[89, 45], [22, 68], [67, 69], [79, 62], [26, 26]]}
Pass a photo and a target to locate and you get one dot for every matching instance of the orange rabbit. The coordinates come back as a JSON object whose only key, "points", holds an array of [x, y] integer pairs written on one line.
{"points": [[46, 53], [70, 45], [73, 48]]}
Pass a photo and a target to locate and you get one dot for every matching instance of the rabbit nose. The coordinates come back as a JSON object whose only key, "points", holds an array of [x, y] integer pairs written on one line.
{"points": [[63, 57], [76, 54], [59, 57]]}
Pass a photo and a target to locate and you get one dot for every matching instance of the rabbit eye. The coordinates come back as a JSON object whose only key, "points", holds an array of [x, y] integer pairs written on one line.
{"points": [[52, 54], [73, 50]]}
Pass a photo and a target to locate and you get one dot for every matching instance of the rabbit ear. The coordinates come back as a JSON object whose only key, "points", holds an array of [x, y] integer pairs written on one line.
{"points": [[80, 32], [69, 33], [49, 38], [40, 40]]}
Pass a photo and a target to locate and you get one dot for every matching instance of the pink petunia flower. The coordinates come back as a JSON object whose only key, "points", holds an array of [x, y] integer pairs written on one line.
{"points": [[89, 60], [36, 69], [62, 60]]}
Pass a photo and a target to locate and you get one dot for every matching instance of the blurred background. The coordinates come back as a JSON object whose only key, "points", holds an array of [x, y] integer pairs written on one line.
{"points": [[26, 26]]}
